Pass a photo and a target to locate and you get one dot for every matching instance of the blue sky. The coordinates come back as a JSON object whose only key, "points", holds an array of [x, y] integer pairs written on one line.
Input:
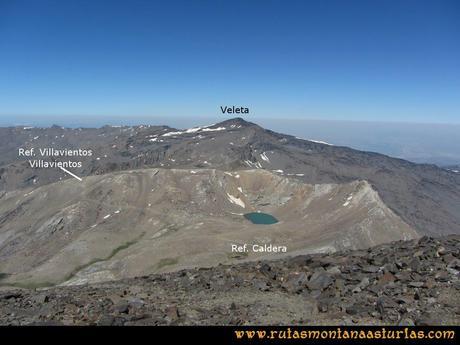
{"points": [[339, 60]]}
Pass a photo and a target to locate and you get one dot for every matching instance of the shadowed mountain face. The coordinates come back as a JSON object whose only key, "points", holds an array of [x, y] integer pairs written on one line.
{"points": [[424, 196]]}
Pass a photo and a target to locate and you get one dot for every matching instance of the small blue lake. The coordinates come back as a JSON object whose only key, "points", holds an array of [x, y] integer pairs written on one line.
{"points": [[260, 218]]}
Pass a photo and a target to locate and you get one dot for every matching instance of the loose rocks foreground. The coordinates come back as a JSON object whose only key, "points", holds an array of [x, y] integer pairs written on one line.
{"points": [[414, 282]]}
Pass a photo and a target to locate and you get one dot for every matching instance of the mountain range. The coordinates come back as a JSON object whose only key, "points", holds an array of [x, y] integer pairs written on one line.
{"points": [[155, 199]]}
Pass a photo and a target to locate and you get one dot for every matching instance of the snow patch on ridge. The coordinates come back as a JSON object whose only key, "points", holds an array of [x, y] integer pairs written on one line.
{"points": [[320, 142], [263, 155], [213, 129], [194, 130], [170, 134], [346, 203], [253, 164], [236, 201]]}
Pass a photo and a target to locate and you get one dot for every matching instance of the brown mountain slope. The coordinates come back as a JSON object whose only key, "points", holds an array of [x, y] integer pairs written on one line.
{"points": [[143, 221]]}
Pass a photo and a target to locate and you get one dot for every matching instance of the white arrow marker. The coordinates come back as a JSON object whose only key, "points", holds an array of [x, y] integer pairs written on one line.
{"points": [[71, 174]]}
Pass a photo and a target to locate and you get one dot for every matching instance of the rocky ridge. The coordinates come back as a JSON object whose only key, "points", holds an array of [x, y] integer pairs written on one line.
{"points": [[403, 283]]}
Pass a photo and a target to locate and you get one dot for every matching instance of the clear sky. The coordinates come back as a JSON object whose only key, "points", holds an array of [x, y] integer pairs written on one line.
{"points": [[359, 60]]}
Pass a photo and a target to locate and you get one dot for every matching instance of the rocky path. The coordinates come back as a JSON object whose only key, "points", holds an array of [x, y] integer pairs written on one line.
{"points": [[413, 282]]}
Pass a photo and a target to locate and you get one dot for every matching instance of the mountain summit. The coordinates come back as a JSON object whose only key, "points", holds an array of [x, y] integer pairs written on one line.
{"points": [[235, 122]]}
